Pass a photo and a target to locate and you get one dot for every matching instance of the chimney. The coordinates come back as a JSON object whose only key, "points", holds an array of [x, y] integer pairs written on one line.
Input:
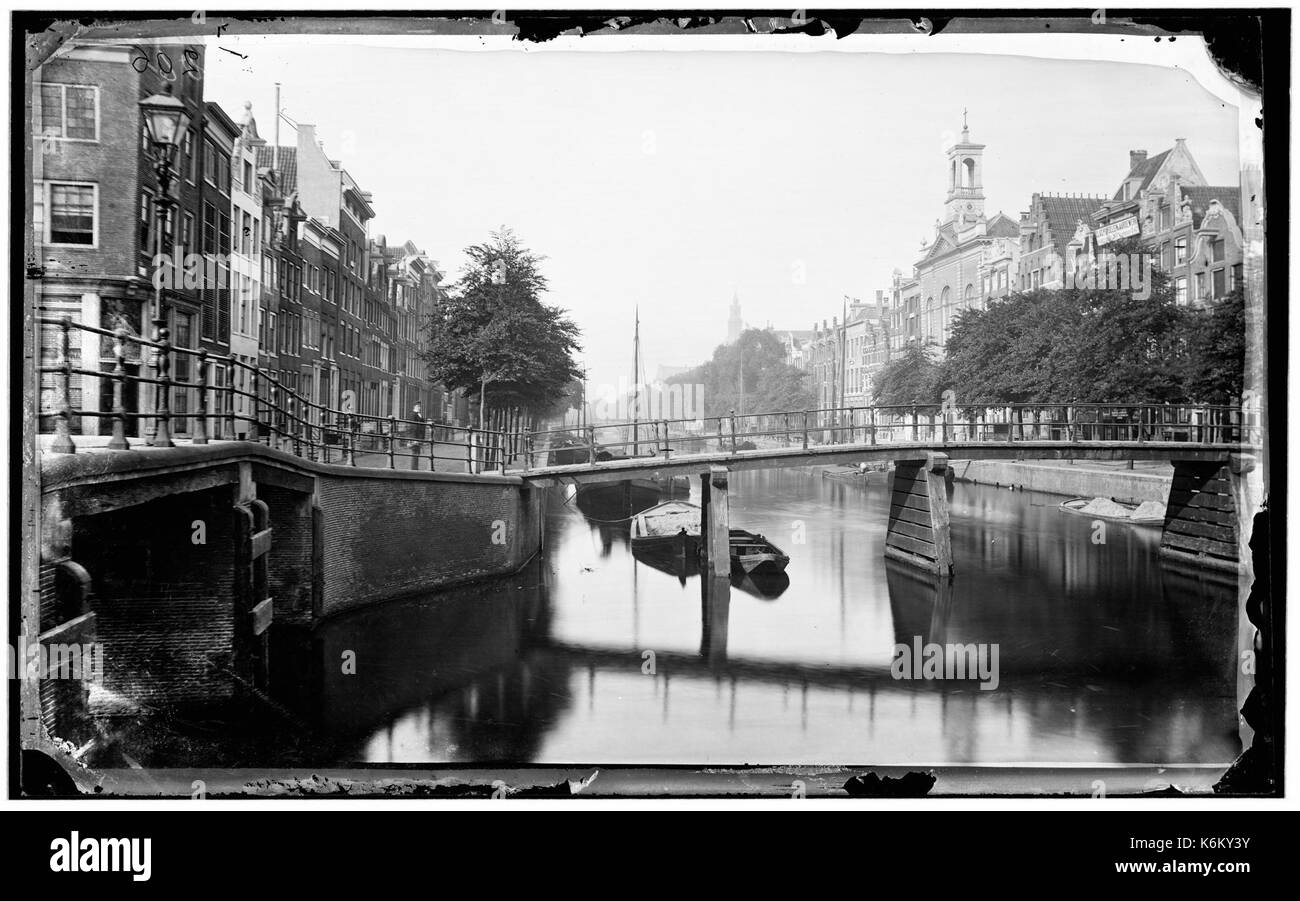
{"points": [[1136, 158]]}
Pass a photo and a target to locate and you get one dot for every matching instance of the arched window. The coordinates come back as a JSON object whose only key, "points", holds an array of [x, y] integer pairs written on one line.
{"points": [[969, 164], [970, 292], [946, 296], [952, 176]]}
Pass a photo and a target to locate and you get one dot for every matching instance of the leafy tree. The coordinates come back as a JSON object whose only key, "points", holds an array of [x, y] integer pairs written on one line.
{"points": [[492, 334], [749, 375], [1216, 351], [1087, 345], [910, 378]]}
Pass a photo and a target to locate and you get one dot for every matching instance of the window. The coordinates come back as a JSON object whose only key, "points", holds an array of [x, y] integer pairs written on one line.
{"points": [[1180, 250], [245, 233], [249, 184], [209, 244], [1180, 291], [69, 112], [223, 173], [191, 158], [1200, 286], [223, 223], [1216, 250], [146, 222], [187, 234], [1220, 283], [209, 162], [72, 217], [1234, 277]]}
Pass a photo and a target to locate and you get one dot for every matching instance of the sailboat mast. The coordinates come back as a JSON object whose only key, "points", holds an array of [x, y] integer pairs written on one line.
{"points": [[636, 385]]}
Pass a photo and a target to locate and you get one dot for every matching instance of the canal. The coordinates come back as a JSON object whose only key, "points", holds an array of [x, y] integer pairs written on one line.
{"points": [[1105, 653]]}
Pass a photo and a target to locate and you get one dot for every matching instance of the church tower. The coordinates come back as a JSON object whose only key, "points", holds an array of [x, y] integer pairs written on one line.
{"points": [[735, 325], [965, 203]]}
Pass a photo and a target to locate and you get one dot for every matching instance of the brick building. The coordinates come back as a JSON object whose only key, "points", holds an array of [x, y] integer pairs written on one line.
{"points": [[1048, 241], [1191, 228], [93, 220]]}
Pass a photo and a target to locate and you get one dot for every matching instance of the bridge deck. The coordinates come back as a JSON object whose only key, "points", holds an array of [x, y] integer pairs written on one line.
{"points": [[771, 458]]}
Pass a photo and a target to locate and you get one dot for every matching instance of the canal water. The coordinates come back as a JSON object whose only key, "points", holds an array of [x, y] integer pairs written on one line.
{"points": [[1105, 654]]}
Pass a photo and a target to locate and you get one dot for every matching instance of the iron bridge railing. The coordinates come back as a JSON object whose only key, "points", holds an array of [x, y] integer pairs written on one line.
{"points": [[283, 417]]}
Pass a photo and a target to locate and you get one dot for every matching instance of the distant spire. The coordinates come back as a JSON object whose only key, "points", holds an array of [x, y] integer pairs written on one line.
{"points": [[965, 129]]}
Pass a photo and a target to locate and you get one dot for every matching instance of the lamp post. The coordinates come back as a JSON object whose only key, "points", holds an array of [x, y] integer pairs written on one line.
{"points": [[165, 122]]}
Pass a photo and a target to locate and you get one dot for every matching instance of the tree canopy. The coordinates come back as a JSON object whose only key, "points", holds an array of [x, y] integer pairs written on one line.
{"points": [[750, 375], [491, 334], [1097, 345], [912, 377]]}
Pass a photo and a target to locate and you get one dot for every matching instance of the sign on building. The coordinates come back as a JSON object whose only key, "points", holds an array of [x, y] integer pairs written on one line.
{"points": [[1116, 230]]}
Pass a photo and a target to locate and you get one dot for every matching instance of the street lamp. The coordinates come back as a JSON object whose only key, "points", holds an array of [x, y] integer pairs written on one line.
{"points": [[165, 122]]}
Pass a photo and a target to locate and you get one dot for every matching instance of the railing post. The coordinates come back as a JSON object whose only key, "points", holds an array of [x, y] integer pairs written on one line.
{"points": [[350, 429], [591, 444], [118, 441], [162, 410], [63, 416], [315, 431], [254, 432], [469, 450], [871, 421], [501, 454], [232, 398], [733, 431], [805, 429], [200, 423], [915, 430], [392, 435]]}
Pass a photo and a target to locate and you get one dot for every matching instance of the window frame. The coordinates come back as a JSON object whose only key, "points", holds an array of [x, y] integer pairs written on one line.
{"points": [[63, 112], [48, 213]]}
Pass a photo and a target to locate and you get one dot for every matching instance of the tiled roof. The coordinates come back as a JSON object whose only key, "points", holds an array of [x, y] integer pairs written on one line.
{"points": [[1146, 170], [1002, 226], [1201, 195], [1063, 215], [288, 166]]}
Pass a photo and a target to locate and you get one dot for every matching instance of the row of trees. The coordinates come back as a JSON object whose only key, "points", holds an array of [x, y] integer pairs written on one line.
{"points": [[749, 375], [1080, 345]]}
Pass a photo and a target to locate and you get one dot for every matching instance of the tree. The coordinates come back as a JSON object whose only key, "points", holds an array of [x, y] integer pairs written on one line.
{"points": [[1216, 351], [1080, 344], [910, 378], [750, 375], [492, 334]]}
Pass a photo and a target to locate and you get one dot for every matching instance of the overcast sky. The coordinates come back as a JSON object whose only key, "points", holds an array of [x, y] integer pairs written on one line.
{"points": [[670, 179]]}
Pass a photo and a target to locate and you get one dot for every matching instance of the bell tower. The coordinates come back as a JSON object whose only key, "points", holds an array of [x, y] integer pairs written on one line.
{"points": [[965, 202]]}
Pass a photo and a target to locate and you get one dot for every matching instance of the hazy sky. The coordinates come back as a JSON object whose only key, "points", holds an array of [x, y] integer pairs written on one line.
{"points": [[670, 179]]}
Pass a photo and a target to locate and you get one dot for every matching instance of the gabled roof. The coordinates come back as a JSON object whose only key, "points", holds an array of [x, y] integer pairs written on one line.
{"points": [[1146, 170], [288, 166], [1229, 196], [1063, 215], [944, 240], [1002, 226]]}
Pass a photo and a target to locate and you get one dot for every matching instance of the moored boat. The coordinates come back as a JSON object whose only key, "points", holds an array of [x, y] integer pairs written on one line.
{"points": [[752, 553], [1147, 513], [671, 526]]}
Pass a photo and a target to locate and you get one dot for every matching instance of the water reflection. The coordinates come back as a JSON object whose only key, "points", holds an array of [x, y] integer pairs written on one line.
{"points": [[594, 655], [1105, 654]]}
